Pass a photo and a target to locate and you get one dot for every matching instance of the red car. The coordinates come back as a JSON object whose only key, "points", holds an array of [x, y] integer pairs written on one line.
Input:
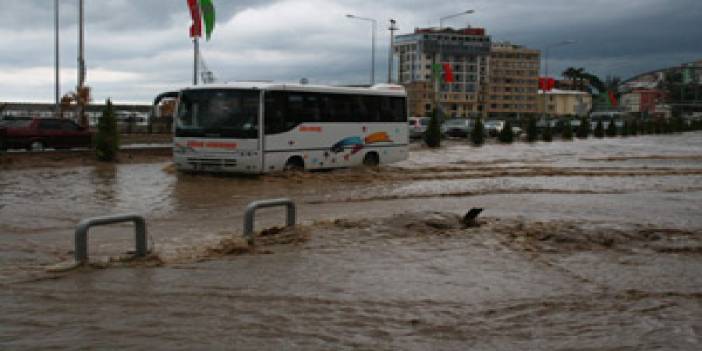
{"points": [[40, 133]]}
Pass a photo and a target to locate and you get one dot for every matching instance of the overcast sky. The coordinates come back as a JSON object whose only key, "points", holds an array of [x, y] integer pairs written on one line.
{"points": [[138, 48]]}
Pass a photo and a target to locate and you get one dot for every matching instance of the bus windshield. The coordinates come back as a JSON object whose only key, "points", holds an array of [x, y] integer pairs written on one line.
{"points": [[218, 113]]}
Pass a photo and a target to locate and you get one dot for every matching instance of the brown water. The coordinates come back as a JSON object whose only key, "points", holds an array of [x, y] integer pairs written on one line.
{"points": [[593, 244]]}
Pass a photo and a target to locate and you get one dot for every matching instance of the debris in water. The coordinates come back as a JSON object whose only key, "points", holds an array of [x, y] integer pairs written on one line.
{"points": [[469, 220]]}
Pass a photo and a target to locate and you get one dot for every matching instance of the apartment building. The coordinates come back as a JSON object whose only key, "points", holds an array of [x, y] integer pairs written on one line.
{"points": [[513, 81], [467, 52]]}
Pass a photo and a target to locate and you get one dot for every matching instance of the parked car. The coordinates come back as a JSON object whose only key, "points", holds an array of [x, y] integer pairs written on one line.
{"points": [[516, 131], [41, 133], [494, 127], [418, 126], [457, 127]]}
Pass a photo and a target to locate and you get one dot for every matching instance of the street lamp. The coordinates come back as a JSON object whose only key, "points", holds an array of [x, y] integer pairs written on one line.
{"points": [[374, 28], [57, 81], [392, 30], [561, 43], [441, 20], [554, 45]]}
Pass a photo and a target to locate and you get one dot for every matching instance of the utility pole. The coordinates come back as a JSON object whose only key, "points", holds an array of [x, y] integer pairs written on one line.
{"points": [[392, 29], [56, 60]]}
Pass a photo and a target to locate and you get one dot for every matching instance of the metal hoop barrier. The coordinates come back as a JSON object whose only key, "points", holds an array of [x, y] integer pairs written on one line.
{"points": [[251, 211], [81, 248]]}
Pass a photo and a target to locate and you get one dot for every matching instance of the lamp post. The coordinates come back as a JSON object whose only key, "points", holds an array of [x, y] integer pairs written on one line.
{"points": [[546, 50], [374, 28], [441, 20], [81, 94], [392, 30]]}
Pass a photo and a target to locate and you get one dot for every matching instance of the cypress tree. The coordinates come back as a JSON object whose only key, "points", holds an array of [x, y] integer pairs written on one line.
{"points": [[626, 129], [612, 129], [532, 131], [432, 137], [583, 130], [679, 125], [506, 134], [567, 133], [634, 127], [548, 133], [477, 135], [107, 137], [599, 130], [643, 127], [667, 126]]}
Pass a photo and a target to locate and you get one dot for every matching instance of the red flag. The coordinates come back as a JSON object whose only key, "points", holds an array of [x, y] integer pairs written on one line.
{"points": [[448, 73], [546, 83], [196, 27], [612, 98]]}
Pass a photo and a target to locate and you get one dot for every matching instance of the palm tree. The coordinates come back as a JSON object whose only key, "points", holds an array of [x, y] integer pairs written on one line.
{"points": [[595, 82], [580, 76], [572, 74], [612, 83]]}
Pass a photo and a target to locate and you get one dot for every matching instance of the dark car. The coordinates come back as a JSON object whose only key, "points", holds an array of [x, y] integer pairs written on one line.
{"points": [[41, 133], [457, 127]]}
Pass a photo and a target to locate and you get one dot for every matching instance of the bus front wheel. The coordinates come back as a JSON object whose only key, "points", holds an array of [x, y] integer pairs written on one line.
{"points": [[371, 160], [294, 163]]}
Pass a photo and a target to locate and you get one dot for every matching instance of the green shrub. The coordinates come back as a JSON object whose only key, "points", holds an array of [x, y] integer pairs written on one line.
{"points": [[532, 131], [107, 137], [477, 135], [432, 137], [506, 134]]}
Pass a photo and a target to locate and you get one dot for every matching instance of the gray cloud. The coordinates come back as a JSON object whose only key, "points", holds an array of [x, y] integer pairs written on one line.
{"points": [[137, 48]]}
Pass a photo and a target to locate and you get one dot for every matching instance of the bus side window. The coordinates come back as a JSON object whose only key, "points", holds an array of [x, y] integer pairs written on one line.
{"points": [[275, 113], [386, 111], [399, 113], [339, 108], [325, 108], [312, 108], [373, 107], [295, 111]]}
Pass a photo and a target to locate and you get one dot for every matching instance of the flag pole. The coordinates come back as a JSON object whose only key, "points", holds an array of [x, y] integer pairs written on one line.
{"points": [[196, 49]]}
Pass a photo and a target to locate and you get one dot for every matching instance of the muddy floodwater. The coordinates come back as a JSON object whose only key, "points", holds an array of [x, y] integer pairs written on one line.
{"points": [[584, 245]]}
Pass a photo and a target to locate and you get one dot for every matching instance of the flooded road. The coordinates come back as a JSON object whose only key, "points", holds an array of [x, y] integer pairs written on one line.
{"points": [[591, 244]]}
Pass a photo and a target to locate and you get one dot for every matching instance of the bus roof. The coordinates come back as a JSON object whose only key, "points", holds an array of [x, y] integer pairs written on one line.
{"points": [[378, 89]]}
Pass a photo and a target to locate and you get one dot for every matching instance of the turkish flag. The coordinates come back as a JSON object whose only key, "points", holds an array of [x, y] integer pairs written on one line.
{"points": [[612, 98], [448, 73], [546, 83], [196, 27]]}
